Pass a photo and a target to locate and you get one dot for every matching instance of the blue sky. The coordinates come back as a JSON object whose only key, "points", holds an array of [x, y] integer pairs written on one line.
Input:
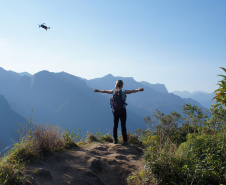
{"points": [[178, 43]]}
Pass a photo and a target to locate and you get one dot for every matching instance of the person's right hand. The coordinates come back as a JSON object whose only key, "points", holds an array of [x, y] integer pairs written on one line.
{"points": [[95, 90]]}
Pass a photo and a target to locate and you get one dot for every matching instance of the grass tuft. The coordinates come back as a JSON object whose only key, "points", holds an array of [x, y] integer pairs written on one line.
{"points": [[91, 138], [132, 139], [106, 138]]}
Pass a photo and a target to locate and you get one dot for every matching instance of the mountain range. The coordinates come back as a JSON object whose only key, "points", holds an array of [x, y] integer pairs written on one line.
{"points": [[155, 96], [68, 101], [205, 99]]}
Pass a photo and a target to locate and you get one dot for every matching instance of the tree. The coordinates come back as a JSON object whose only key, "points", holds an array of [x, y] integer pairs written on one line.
{"points": [[194, 116]]}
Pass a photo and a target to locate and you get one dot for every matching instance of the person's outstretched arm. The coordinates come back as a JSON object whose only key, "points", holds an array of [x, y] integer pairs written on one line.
{"points": [[102, 91], [134, 91]]}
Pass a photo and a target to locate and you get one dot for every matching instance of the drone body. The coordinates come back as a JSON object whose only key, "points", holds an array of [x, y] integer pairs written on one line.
{"points": [[44, 26]]}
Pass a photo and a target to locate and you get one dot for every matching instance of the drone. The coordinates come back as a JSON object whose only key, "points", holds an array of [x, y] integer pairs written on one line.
{"points": [[44, 26]]}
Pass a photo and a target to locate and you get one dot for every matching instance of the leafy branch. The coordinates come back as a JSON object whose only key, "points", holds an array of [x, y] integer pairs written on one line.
{"points": [[221, 91]]}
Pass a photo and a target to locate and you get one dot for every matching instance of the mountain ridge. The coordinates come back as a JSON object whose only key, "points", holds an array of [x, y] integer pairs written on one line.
{"points": [[69, 101], [204, 98], [152, 98], [62, 99]]}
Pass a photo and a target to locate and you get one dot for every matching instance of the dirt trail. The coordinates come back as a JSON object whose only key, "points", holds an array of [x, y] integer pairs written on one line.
{"points": [[93, 164]]}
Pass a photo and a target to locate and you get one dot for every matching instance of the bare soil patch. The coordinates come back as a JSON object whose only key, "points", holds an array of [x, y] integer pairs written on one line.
{"points": [[92, 164]]}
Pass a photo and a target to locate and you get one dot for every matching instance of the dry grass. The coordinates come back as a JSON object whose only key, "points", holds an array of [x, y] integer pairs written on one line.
{"points": [[40, 140], [47, 139]]}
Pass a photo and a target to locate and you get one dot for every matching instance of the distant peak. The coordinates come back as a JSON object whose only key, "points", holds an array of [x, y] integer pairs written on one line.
{"points": [[118, 77], [42, 72], [130, 78], [25, 74], [109, 75]]}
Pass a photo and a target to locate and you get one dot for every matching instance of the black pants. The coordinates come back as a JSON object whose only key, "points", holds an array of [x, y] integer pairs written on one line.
{"points": [[122, 116]]}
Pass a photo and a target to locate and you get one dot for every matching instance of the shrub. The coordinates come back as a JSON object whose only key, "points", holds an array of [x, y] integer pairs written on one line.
{"points": [[205, 157], [79, 138], [40, 140], [11, 172], [69, 139], [200, 160], [106, 138], [161, 161], [144, 177], [197, 157], [133, 139], [151, 140], [47, 139], [167, 169], [91, 138]]}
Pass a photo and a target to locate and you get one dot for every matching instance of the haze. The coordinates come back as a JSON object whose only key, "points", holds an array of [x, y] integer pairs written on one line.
{"points": [[180, 44]]}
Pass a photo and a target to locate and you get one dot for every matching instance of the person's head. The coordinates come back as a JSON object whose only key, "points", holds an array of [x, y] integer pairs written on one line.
{"points": [[119, 84]]}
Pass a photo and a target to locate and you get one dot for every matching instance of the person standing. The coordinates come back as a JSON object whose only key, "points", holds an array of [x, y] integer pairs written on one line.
{"points": [[119, 113]]}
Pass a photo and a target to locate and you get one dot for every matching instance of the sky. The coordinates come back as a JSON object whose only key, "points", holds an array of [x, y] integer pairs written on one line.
{"points": [[178, 43]]}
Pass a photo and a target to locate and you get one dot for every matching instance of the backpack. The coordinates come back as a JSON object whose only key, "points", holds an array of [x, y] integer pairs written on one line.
{"points": [[116, 101]]}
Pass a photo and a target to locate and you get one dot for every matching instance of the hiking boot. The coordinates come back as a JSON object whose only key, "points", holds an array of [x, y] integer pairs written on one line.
{"points": [[125, 143], [115, 141]]}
